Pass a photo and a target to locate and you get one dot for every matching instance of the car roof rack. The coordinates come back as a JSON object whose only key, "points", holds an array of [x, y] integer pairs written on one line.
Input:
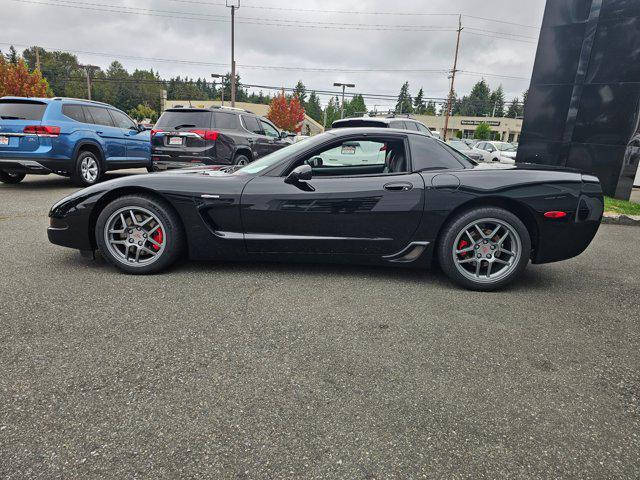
{"points": [[81, 100], [224, 107]]}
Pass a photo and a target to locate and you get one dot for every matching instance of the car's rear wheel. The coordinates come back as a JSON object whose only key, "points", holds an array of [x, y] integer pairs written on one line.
{"points": [[484, 248], [11, 178], [140, 234], [88, 169], [241, 160]]}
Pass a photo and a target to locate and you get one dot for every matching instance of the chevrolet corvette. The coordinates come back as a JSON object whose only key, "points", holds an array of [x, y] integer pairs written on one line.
{"points": [[417, 203]]}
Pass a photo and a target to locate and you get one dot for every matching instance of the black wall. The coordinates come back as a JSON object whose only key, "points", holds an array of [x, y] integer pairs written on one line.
{"points": [[583, 108]]}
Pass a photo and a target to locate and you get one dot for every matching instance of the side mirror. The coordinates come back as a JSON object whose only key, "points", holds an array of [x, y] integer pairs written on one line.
{"points": [[299, 174]]}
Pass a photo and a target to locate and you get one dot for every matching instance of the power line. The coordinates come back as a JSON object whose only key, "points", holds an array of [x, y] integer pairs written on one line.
{"points": [[359, 12], [247, 20], [368, 69]]}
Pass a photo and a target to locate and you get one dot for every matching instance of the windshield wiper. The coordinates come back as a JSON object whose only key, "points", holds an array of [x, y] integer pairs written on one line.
{"points": [[186, 125], [8, 117]]}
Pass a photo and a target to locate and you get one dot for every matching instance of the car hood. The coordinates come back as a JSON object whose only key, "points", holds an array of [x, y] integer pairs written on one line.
{"points": [[173, 182]]}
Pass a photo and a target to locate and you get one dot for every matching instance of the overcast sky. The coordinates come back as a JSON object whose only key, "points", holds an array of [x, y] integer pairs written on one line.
{"points": [[369, 49]]}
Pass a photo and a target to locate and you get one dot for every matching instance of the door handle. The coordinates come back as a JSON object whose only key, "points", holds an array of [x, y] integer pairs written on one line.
{"points": [[398, 187], [99, 133]]}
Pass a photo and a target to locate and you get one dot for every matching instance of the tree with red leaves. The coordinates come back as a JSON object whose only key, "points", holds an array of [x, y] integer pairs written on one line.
{"points": [[16, 80], [286, 114]]}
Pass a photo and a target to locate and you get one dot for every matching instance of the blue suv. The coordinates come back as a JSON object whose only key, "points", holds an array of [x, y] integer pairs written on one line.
{"points": [[80, 139]]}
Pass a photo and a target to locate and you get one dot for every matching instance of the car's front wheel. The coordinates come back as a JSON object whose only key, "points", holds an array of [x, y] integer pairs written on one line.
{"points": [[484, 249], [11, 178], [140, 234]]}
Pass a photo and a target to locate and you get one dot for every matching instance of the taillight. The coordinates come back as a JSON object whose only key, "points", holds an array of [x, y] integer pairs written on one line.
{"points": [[42, 130], [155, 132], [206, 134], [555, 214]]}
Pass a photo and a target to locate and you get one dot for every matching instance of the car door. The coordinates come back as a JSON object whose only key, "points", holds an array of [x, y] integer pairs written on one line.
{"points": [[371, 213], [276, 142], [138, 143], [481, 149], [260, 141], [114, 141]]}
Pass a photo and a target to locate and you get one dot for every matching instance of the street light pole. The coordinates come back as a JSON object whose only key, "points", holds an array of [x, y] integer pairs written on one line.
{"points": [[343, 85], [453, 79], [233, 4]]}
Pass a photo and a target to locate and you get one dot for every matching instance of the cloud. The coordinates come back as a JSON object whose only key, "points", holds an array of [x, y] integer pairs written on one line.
{"points": [[205, 37]]}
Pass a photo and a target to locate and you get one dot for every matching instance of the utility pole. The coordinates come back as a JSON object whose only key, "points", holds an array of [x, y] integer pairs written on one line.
{"points": [[89, 69], [453, 79], [343, 85], [233, 4], [37, 58], [215, 75]]}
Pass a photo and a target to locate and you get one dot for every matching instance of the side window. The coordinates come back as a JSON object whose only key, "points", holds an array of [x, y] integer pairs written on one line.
{"points": [[74, 112], [251, 123], [225, 121], [100, 116], [423, 129], [480, 146], [121, 120], [360, 157], [428, 154], [269, 129], [412, 126], [397, 124], [489, 147]]}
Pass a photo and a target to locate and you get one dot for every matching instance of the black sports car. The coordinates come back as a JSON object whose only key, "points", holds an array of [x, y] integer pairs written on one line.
{"points": [[355, 195]]}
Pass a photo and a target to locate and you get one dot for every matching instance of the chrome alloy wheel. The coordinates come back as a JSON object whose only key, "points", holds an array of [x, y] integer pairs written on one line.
{"points": [[487, 250], [89, 169], [135, 236]]}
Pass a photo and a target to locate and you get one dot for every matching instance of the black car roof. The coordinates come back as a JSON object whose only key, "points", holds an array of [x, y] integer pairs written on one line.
{"points": [[385, 120]]}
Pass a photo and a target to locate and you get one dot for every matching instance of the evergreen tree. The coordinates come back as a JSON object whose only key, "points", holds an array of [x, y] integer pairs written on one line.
{"points": [[477, 104], [313, 107], [332, 112], [514, 108], [430, 108], [12, 56], [419, 106], [355, 106], [404, 104], [301, 92], [496, 101]]}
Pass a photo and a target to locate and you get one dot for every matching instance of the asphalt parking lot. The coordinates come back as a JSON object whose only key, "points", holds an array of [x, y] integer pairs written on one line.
{"points": [[273, 371]]}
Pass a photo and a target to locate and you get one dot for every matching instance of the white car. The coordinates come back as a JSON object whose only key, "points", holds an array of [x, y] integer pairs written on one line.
{"points": [[496, 151], [353, 154]]}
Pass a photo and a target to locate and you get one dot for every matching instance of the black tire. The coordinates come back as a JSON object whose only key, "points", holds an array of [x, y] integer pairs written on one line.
{"points": [[151, 169], [495, 160], [92, 174], [241, 159], [452, 233], [11, 178], [173, 236]]}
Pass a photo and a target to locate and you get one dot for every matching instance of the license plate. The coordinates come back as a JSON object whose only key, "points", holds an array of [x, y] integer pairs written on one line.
{"points": [[4, 140], [348, 150], [175, 140]]}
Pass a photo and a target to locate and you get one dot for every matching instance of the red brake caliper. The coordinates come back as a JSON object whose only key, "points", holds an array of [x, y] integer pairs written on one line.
{"points": [[463, 244], [158, 237]]}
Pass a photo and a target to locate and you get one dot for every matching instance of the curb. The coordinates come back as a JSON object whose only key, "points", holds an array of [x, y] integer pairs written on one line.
{"points": [[621, 219]]}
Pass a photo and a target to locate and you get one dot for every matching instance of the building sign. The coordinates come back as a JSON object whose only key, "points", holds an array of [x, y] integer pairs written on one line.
{"points": [[491, 123]]}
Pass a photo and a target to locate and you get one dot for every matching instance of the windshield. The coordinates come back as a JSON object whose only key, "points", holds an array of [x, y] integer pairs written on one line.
{"points": [[505, 147], [275, 157]]}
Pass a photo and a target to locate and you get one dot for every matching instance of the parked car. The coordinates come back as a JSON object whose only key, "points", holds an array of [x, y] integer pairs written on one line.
{"points": [[483, 222], [187, 137], [496, 151], [471, 142], [401, 123], [465, 149], [80, 139]]}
